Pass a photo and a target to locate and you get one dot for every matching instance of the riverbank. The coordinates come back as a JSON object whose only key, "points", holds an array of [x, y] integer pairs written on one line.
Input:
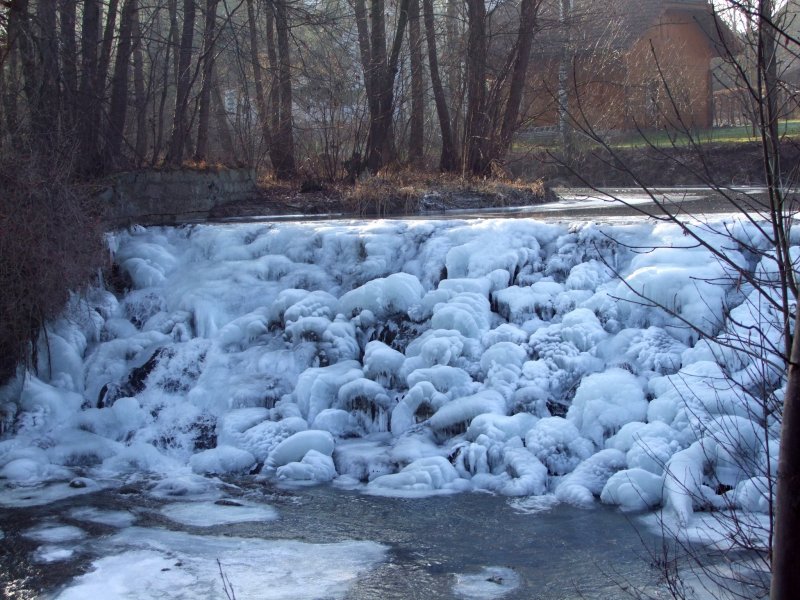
{"points": [[723, 164]]}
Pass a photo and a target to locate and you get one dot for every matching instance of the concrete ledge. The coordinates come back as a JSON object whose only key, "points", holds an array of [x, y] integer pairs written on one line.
{"points": [[170, 197]]}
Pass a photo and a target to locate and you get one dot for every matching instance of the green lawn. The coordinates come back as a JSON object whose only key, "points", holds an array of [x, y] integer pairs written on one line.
{"points": [[661, 139], [724, 135]]}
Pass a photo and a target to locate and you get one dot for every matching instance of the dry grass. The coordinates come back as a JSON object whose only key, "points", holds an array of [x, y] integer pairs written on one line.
{"points": [[405, 192]]}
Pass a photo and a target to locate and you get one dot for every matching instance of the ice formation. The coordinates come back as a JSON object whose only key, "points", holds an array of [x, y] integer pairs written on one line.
{"points": [[410, 358], [156, 563]]}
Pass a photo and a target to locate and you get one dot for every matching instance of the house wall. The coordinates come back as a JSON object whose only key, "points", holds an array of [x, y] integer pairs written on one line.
{"points": [[669, 77], [622, 89]]}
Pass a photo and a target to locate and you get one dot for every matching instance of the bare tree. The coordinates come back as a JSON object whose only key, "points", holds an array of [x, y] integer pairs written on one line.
{"points": [[283, 140], [493, 112], [416, 140], [180, 119], [775, 359], [204, 114], [119, 85], [448, 160]]}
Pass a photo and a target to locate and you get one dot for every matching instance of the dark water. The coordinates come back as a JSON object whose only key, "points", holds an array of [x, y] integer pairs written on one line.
{"points": [[562, 552]]}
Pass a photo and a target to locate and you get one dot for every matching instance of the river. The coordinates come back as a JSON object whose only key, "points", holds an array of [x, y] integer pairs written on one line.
{"points": [[431, 543]]}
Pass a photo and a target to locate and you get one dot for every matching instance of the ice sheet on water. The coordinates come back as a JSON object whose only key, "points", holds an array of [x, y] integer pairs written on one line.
{"points": [[220, 512], [112, 518], [49, 554], [54, 533], [715, 529], [490, 582], [42, 494], [151, 564]]}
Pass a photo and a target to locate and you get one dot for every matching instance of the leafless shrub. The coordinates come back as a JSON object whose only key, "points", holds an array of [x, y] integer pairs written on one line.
{"points": [[51, 244]]}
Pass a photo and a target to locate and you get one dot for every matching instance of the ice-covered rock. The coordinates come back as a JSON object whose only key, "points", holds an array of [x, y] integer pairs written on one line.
{"points": [[604, 402], [296, 446], [633, 489], [423, 476], [590, 477], [455, 416], [222, 459], [396, 293], [314, 466], [558, 444], [452, 351]]}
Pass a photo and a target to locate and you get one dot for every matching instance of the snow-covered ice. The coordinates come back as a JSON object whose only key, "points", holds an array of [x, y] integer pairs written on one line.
{"points": [[144, 564], [221, 512], [112, 518], [490, 582], [54, 533]]}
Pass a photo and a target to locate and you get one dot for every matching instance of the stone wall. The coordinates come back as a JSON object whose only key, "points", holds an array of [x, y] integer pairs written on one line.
{"points": [[171, 197]]}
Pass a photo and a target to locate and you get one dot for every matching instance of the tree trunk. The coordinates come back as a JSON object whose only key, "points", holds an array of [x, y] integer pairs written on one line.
{"points": [[180, 120], [362, 26], [274, 87], [452, 55], [174, 38], [204, 111], [786, 540], [105, 51], [448, 160], [223, 128], [376, 142], [89, 95], [69, 59], [46, 109], [380, 142], [476, 130], [528, 13], [416, 138], [284, 137], [11, 88], [119, 86], [140, 96], [170, 54], [564, 68], [258, 78]]}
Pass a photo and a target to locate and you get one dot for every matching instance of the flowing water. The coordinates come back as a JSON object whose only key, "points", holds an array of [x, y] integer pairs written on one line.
{"points": [[432, 543]]}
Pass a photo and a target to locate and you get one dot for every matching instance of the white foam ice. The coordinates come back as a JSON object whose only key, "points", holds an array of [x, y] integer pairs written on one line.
{"points": [[490, 582], [112, 518], [531, 505], [50, 554], [55, 533], [39, 495], [221, 512]]}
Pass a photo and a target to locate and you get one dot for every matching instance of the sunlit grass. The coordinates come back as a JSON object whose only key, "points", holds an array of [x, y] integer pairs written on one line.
{"points": [[665, 139], [717, 135]]}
